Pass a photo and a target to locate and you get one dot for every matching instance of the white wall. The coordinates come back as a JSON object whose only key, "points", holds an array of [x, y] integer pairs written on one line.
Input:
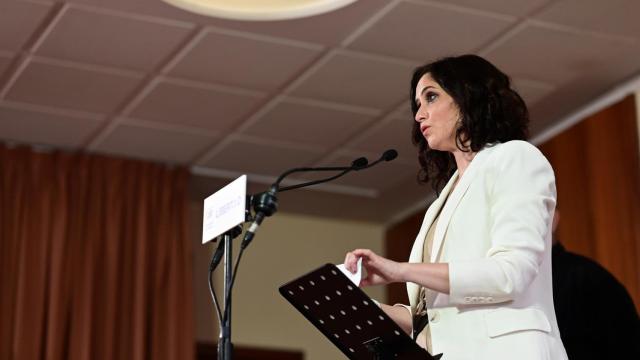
{"points": [[286, 247]]}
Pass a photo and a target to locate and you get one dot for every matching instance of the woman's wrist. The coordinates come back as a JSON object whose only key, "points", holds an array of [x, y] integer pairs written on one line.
{"points": [[403, 270]]}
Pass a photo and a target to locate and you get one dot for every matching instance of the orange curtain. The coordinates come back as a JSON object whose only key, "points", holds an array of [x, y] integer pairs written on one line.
{"points": [[95, 258], [597, 168]]}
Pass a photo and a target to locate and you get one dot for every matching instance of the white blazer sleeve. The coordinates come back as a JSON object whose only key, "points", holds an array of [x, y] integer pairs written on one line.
{"points": [[520, 209]]}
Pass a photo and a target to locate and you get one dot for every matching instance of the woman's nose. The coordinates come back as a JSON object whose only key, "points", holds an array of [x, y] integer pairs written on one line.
{"points": [[420, 116]]}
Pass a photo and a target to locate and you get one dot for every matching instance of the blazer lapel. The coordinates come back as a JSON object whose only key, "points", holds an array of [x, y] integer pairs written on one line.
{"points": [[418, 245], [453, 201]]}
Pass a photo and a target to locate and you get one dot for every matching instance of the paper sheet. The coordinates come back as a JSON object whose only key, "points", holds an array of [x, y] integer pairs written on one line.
{"points": [[355, 278]]}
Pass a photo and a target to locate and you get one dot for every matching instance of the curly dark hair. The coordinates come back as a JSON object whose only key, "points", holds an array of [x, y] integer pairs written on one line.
{"points": [[490, 112]]}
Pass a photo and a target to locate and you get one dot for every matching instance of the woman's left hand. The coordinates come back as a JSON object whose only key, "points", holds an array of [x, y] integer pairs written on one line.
{"points": [[379, 270]]}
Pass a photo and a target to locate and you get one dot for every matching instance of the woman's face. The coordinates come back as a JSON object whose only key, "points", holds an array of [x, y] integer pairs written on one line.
{"points": [[438, 115]]}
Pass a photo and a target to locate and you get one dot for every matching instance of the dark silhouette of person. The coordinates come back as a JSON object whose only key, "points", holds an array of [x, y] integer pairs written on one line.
{"points": [[596, 315]]}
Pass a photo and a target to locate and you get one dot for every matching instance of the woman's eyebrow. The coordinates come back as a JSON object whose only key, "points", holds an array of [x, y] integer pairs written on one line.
{"points": [[422, 92], [426, 88]]}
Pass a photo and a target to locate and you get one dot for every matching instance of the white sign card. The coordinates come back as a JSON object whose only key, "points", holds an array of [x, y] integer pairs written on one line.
{"points": [[224, 209]]}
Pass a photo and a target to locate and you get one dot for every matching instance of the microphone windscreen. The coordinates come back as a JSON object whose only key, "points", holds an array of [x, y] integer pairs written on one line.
{"points": [[359, 163], [390, 155]]}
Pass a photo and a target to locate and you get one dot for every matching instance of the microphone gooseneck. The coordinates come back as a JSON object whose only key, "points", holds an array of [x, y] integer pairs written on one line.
{"points": [[386, 156], [266, 204]]}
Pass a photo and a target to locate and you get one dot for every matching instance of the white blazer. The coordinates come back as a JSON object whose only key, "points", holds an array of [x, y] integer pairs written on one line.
{"points": [[495, 233]]}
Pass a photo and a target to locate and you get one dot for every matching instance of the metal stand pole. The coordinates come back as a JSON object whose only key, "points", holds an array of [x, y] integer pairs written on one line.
{"points": [[225, 347]]}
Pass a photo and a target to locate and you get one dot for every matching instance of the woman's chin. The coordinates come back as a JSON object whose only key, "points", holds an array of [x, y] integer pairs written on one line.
{"points": [[433, 145]]}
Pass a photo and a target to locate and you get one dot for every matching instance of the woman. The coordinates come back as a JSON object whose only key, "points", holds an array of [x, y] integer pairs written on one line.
{"points": [[481, 262]]}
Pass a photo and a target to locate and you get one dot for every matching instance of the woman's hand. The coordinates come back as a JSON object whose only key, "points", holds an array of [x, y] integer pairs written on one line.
{"points": [[379, 270]]}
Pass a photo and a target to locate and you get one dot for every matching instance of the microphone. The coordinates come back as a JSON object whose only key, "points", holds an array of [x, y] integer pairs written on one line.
{"points": [[357, 164], [389, 155], [386, 156], [266, 203]]}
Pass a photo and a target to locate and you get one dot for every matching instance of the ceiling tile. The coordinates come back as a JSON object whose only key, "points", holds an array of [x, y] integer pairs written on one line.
{"points": [[619, 17], [246, 62], [394, 134], [172, 101], [358, 79], [510, 7], [247, 157], [18, 21], [71, 87], [425, 32], [5, 61], [40, 127], [573, 95], [308, 123], [112, 40], [530, 91], [524, 54], [328, 29], [136, 141]]}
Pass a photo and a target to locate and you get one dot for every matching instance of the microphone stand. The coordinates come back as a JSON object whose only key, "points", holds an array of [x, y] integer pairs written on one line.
{"points": [[225, 347], [265, 204]]}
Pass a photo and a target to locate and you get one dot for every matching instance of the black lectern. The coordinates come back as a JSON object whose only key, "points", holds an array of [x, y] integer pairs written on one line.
{"points": [[349, 318]]}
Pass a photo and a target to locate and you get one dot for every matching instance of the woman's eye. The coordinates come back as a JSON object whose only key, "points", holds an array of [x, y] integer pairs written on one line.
{"points": [[431, 97]]}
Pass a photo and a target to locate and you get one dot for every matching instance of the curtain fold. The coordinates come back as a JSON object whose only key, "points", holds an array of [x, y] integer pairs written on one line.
{"points": [[95, 258]]}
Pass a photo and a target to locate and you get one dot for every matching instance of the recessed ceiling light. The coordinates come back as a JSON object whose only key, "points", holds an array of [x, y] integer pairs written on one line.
{"points": [[260, 10]]}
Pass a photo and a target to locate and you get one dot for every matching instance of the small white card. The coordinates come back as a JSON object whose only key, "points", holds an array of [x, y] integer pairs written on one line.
{"points": [[355, 278], [224, 209]]}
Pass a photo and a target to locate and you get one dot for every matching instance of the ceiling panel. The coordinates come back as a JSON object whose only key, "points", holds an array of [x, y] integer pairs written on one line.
{"points": [[572, 95], [62, 85], [363, 80], [619, 17], [531, 91], [542, 54], [193, 104], [132, 140], [510, 7], [113, 40], [18, 22], [328, 29], [24, 125], [141, 78], [309, 123], [250, 157], [392, 134], [424, 32], [5, 61], [255, 63]]}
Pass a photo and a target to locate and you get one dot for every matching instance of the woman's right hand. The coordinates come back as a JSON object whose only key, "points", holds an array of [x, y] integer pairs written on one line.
{"points": [[379, 270]]}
